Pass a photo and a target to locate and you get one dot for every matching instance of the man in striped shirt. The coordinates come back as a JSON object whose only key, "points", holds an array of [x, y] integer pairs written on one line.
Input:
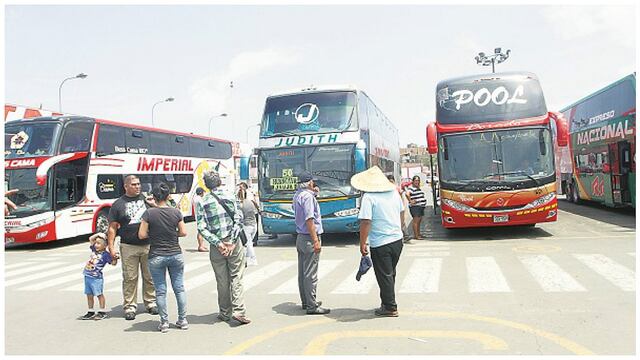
{"points": [[417, 203], [227, 254]]}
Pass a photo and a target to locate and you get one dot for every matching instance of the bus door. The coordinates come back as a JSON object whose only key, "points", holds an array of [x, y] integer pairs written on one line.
{"points": [[624, 151], [69, 189]]}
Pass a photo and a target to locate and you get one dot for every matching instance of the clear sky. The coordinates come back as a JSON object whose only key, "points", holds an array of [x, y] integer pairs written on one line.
{"points": [[138, 55]]}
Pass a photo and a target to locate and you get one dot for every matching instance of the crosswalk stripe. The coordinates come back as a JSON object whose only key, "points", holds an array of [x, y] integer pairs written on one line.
{"points": [[484, 275], [429, 254], [263, 273], [189, 267], [352, 286], [31, 269], [549, 275], [17, 265], [632, 254], [48, 273], [291, 285], [111, 274], [205, 277], [617, 274], [423, 276]]}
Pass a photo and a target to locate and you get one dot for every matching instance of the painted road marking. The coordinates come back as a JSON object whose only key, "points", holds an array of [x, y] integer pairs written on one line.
{"points": [[17, 265], [549, 275], [423, 276], [76, 276], [291, 285], [429, 254], [196, 281], [109, 277], [484, 275], [188, 268], [50, 272], [352, 286], [263, 273], [632, 254], [536, 248], [318, 345], [617, 274], [31, 269]]}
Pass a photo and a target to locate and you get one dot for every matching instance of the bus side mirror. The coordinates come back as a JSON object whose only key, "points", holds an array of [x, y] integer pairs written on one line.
{"points": [[244, 167], [432, 138], [562, 128], [360, 158]]}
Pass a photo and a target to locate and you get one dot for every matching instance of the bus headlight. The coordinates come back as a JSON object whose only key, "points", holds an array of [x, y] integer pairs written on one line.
{"points": [[457, 206], [541, 200], [347, 212], [33, 225], [270, 215]]}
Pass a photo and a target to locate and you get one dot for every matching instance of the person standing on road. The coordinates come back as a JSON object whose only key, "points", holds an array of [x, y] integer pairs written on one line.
{"points": [[221, 227], [196, 199], [417, 203], [93, 277], [308, 243], [124, 221], [381, 223], [254, 199], [249, 212], [163, 225]]}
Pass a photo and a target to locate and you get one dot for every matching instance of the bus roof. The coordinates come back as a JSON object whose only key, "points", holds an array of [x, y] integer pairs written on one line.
{"points": [[631, 77], [109, 122], [513, 75], [315, 89]]}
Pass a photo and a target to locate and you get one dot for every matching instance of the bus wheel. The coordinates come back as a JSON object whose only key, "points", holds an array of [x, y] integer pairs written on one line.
{"points": [[102, 221], [575, 195]]}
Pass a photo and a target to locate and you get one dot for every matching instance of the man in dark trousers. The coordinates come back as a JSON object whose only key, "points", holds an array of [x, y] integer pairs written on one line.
{"points": [[381, 223], [308, 243], [124, 221]]}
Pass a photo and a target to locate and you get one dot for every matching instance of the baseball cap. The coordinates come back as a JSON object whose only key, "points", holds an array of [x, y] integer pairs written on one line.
{"points": [[305, 176], [365, 265]]}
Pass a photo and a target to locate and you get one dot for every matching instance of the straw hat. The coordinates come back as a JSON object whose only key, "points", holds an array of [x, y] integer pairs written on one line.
{"points": [[372, 180]]}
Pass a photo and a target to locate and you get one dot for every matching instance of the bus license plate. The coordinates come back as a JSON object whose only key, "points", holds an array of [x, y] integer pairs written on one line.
{"points": [[500, 218]]}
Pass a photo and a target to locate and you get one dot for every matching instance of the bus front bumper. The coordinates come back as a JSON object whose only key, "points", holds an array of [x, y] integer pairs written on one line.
{"points": [[346, 224], [452, 218], [20, 235]]}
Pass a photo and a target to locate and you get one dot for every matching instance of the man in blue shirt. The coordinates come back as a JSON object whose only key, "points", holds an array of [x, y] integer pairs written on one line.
{"points": [[381, 223], [308, 243]]}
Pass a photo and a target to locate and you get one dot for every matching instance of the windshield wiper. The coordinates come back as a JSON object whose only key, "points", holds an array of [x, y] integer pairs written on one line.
{"points": [[516, 173]]}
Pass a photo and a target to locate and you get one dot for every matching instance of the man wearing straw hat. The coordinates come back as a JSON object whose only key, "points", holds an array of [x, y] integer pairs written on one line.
{"points": [[381, 223]]}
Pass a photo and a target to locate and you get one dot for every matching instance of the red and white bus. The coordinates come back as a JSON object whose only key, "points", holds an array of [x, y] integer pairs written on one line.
{"points": [[495, 142], [70, 169]]}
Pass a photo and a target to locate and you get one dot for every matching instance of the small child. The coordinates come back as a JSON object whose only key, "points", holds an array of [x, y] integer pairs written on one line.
{"points": [[93, 280]]}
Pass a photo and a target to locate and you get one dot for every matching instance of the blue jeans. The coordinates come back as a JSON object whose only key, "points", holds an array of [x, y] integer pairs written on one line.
{"points": [[158, 266]]}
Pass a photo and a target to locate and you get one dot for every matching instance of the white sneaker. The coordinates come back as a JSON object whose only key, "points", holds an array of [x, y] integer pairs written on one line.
{"points": [[252, 261], [163, 327]]}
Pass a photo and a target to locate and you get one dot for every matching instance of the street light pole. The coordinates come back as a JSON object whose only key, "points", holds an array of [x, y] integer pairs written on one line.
{"points": [[213, 117], [79, 76], [154, 106], [496, 58], [249, 127]]}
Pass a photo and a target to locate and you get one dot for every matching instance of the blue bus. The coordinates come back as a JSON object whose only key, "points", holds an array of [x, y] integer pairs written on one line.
{"points": [[333, 132]]}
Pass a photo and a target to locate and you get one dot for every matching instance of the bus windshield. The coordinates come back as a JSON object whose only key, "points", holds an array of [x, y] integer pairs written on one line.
{"points": [[497, 156], [31, 198], [331, 167], [309, 113], [489, 101], [26, 140]]}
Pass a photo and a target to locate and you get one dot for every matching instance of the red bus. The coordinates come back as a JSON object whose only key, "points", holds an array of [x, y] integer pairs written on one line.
{"points": [[70, 169], [495, 143]]}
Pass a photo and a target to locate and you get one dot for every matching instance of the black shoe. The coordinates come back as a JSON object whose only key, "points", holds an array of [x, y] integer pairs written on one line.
{"points": [[129, 315], [387, 313], [153, 310], [88, 316], [100, 315], [305, 307], [318, 311]]}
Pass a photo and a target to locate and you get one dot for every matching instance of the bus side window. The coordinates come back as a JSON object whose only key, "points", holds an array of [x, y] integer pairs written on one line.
{"points": [[110, 140], [137, 141], [76, 137], [160, 143], [179, 146]]}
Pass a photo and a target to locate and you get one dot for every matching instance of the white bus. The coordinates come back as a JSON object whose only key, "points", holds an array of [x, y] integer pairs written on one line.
{"points": [[70, 169]]}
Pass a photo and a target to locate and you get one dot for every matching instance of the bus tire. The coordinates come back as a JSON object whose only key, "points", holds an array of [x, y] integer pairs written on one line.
{"points": [[575, 195], [102, 221]]}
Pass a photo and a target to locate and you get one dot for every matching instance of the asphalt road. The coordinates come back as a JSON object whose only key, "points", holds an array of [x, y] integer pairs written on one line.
{"points": [[559, 288]]}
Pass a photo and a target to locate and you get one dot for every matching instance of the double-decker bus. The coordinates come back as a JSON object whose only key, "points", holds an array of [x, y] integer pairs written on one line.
{"points": [[70, 169], [602, 148], [495, 143], [333, 132]]}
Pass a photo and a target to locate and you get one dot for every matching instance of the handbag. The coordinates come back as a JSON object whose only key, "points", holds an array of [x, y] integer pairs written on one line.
{"points": [[242, 235]]}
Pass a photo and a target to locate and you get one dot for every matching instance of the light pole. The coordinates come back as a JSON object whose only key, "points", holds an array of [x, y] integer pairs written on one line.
{"points": [[213, 117], [79, 76], [159, 102], [249, 127], [496, 58]]}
